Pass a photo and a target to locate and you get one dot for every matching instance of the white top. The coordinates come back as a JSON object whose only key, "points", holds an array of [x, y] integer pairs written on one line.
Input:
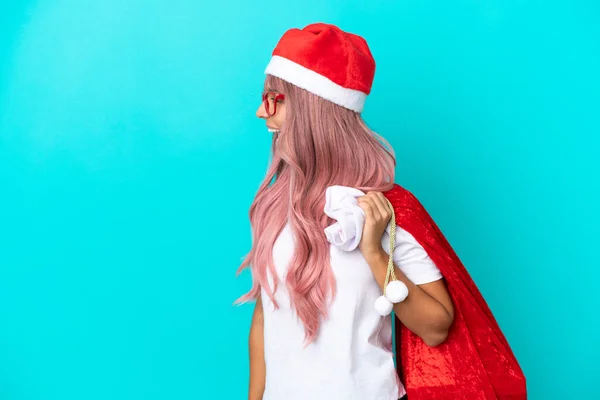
{"points": [[352, 356]]}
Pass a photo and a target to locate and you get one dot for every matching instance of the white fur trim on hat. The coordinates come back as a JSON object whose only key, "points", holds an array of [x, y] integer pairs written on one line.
{"points": [[315, 83]]}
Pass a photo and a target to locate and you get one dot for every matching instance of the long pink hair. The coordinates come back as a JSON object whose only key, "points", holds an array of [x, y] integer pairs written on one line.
{"points": [[320, 144]]}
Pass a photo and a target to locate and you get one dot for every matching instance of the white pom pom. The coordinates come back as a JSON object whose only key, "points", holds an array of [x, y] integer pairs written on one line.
{"points": [[396, 291], [383, 306]]}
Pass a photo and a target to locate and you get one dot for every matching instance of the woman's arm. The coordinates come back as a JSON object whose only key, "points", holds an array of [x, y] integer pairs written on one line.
{"points": [[427, 311], [257, 354]]}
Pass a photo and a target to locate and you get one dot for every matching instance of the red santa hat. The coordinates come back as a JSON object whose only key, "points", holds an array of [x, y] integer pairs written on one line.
{"points": [[326, 61]]}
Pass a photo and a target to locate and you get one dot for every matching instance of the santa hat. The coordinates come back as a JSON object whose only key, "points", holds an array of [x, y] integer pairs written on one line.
{"points": [[326, 61]]}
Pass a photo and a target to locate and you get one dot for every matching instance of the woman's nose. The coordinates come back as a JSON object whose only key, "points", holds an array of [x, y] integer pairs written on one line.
{"points": [[261, 112]]}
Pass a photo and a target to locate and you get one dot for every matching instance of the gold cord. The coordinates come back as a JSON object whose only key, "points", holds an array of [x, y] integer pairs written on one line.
{"points": [[390, 269]]}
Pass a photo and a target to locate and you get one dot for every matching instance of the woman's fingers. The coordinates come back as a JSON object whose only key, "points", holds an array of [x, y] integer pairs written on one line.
{"points": [[383, 208], [370, 208]]}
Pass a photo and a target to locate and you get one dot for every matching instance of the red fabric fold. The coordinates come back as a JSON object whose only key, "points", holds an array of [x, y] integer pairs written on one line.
{"points": [[476, 361]]}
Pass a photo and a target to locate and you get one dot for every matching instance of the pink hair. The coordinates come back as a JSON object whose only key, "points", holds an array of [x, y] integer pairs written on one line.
{"points": [[320, 144]]}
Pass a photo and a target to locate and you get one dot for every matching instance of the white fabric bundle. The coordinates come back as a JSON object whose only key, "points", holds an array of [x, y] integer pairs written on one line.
{"points": [[341, 204]]}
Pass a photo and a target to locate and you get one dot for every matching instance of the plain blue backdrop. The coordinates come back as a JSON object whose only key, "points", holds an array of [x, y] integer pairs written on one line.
{"points": [[130, 153]]}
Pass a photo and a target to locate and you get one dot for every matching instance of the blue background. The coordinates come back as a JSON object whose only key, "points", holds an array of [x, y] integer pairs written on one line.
{"points": [[129, 155]]}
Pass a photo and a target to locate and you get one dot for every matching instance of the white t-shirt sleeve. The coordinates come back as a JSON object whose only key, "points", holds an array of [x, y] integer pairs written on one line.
{"points": [[411, 258]]}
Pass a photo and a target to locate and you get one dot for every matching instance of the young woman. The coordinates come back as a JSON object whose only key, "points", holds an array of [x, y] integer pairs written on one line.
{"points": [[315, 334]]}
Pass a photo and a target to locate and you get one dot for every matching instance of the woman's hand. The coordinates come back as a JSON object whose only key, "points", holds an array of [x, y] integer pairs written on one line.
{"points": [[428, 310], [378, 214]]}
